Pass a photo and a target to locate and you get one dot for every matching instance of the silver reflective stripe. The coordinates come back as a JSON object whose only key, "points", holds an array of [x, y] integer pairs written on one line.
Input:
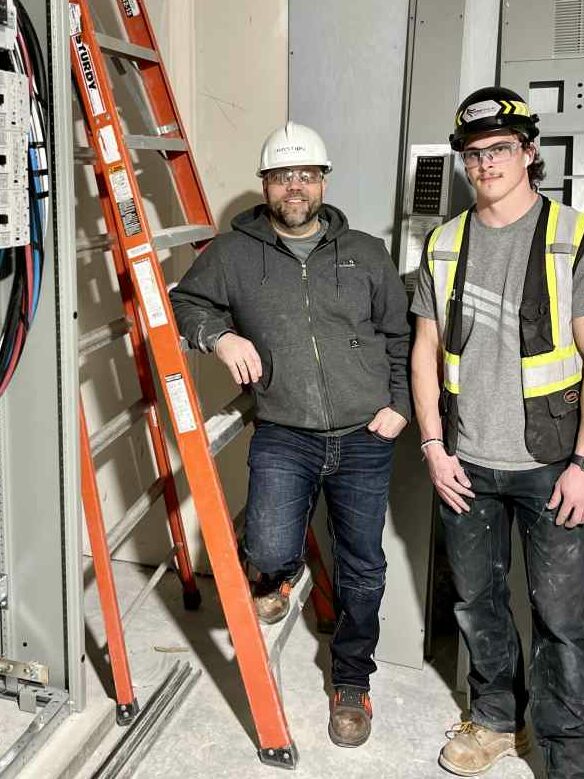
{"points": [[567, 220], [552, 376], [563, 268], [452, 375]]}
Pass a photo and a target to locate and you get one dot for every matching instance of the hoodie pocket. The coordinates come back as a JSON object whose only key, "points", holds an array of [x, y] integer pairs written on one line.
{"points": [[357, 371], [289, 391]]}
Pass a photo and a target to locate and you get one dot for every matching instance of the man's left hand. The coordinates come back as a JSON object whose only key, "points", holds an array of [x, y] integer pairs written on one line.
{"points": [[568, 494], [387, 423]]}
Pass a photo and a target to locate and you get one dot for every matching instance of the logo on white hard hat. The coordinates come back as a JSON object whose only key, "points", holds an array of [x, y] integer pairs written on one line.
{"points": [[290, 149], [481, 110]]}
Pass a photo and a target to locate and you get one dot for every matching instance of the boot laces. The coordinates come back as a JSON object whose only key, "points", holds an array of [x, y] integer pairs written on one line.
{"points": [[466, 728]]}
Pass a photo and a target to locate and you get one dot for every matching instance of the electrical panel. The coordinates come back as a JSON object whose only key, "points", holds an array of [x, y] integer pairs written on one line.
{"points": [[7, 24], [14, 125], [426, 203]]}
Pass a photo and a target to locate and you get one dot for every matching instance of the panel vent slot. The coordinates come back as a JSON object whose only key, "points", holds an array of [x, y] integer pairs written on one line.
{"points": [[569, 28]]}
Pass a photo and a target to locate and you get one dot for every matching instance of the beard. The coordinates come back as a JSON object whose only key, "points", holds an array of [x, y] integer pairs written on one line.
{"points": [[294, 215]]}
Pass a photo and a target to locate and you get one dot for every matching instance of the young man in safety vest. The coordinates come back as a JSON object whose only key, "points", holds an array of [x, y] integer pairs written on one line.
{"points": [[313, 316], [497, 373]]}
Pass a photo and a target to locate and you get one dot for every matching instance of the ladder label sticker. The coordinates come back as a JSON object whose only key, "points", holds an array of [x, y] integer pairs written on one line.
{"points": [[109, 145], [131, 7], [181, 405], [74, 19], [150, 293], [130, 218], [138, 251], [120, 184], [88, 70]]}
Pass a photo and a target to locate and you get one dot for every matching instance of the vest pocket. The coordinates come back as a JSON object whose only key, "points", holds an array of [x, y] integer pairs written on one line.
{"points": [[551, 424], [535, 327]]}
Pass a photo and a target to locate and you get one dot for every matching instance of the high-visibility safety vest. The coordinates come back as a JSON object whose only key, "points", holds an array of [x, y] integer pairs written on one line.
{"points": [[551, 366]]}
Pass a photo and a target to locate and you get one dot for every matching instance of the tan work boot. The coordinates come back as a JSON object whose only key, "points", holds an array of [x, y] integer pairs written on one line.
{"points": [[473, 749], [272, 599], [350, 718]]}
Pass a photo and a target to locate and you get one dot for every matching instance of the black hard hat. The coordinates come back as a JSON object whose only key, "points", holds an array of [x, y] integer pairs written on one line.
{"points": [[492, 108]]}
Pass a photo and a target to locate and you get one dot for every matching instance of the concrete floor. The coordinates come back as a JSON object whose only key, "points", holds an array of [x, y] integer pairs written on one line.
{"points": [[212, 734]]}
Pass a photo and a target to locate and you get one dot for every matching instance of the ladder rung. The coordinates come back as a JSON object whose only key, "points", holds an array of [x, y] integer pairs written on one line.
{"points": [[223, 427], [156, 142], [102, 241], [84, 155], [103, 336], [183, 234], [149, 586], [120, 48], [276, 635], [117, 426], [120, 531]]}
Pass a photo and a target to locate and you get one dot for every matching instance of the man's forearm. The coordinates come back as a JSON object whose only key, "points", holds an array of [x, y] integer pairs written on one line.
{"points": [[426, 389]]}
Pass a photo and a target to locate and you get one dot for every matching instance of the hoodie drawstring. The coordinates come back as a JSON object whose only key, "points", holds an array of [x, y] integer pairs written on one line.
{"points": [[264, 264], [337, 267]]}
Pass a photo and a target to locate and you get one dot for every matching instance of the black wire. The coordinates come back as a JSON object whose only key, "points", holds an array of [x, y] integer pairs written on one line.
{"points": [[35, 52], [13, 314]]}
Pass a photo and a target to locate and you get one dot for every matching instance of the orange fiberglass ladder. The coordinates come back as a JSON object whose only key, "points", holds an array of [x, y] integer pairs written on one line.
{"points": [[148, 319]]}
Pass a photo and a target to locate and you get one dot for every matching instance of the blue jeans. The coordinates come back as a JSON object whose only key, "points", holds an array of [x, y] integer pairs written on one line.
{"points": [[288, 467], [478, 546]]}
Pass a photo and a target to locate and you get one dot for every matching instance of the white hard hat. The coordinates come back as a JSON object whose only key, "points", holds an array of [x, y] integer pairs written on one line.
{"points": [[293, 144]]}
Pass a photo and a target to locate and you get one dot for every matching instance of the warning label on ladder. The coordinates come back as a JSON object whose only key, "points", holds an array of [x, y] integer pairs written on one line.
{"points": [[181, 405], [150, 293], [131, 8], [126, 204]]}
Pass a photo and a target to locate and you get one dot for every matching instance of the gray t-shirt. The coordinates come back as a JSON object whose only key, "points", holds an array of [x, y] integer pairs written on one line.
{"points": [[301, 247], [490, 405]]}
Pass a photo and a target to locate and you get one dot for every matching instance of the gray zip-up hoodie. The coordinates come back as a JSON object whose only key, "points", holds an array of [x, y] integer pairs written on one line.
{"points": [[331, 333]]}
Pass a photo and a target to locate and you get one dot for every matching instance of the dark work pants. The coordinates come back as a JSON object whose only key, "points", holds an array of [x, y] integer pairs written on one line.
{"points": [[478, 546], [288, 467]]}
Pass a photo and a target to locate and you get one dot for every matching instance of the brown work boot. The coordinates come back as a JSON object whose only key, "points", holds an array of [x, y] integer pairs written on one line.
{"points": [[272, 596], [350, 719], [473, 749]]}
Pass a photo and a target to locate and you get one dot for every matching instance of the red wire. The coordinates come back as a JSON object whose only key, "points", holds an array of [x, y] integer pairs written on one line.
{"points": [[18, 344]]}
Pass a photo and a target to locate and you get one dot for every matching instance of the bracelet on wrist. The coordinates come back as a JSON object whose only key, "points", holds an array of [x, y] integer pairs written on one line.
{"points": [[429, 441]]}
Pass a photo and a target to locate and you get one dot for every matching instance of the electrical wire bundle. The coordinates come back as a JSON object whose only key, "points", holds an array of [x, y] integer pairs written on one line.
{"points": [[26, 262]]}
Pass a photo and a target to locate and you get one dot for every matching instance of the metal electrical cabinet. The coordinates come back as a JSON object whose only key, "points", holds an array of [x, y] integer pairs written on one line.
{"points": [[542, 58], [40, 514]]}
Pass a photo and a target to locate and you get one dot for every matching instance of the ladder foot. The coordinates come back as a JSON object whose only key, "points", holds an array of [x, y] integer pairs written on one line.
{"points": [[191, 599], [284, 757], [126, 712], [326, 626]]}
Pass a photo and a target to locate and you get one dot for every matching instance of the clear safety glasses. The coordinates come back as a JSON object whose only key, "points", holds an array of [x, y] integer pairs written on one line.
{"points": [[285, 176], [498, 152]]}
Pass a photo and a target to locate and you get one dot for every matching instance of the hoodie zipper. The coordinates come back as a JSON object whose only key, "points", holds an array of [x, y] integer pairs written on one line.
{"points": [[325, 397]]}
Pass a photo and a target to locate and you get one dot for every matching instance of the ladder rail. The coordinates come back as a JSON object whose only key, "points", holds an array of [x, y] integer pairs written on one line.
{"points": [[163, 105], [103, 570], [200, 470], [191, 594]]}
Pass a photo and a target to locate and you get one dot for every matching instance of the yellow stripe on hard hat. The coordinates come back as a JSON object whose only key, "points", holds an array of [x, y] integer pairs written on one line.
{"points": [[507, 107], [520, 108]]}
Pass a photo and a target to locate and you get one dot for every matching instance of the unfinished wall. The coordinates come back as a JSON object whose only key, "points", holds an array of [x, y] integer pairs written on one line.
{"points": [[229, 98]]}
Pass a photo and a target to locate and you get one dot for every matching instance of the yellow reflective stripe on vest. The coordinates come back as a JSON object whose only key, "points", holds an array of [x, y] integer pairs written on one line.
{"points": [[452, 372], [443, 250], [555, 376], [431, 244], [543, 374], [550, 269]]}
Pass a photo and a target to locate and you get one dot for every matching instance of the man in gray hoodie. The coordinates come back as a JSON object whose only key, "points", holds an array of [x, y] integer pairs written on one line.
{"points": [[312, 315]]}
